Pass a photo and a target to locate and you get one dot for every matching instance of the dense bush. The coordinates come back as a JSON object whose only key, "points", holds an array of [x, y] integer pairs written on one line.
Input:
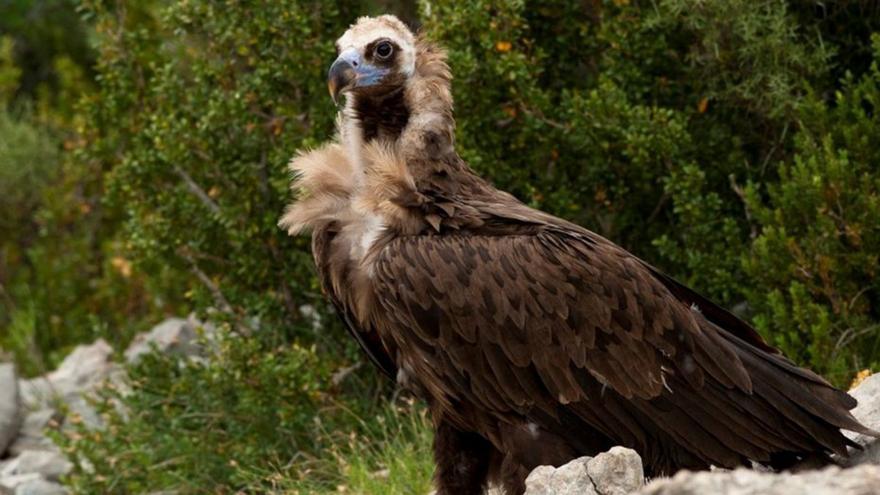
{"points": [[28, 161], [64, 273], [248, 416], [730, 142], [246, 406], [813, 268]]}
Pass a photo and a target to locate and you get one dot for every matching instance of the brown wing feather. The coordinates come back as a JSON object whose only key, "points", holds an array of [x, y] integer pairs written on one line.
{"points": [[547, 301], [367, 338], [562, 325]]}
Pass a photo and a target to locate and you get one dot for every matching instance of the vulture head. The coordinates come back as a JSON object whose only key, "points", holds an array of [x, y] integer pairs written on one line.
{"points": [[376, 56]]}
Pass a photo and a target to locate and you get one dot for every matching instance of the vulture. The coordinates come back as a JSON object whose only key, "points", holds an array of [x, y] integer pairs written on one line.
{"points": [[532, 340]]}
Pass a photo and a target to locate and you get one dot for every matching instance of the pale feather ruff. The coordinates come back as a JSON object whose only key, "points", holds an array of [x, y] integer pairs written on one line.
{"points": [[330, 188], [323, 184]]}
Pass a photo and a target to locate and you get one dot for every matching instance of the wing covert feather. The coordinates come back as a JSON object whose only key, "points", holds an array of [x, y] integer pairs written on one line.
{"points": [[525, 314]]}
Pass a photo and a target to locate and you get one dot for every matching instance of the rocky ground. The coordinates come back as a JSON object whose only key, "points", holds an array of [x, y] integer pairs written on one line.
{"points": [[619, 471], [30, 464]]}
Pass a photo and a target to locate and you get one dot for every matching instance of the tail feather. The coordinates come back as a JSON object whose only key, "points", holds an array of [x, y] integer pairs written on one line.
{"points": [[801, 396], [787, 414]]}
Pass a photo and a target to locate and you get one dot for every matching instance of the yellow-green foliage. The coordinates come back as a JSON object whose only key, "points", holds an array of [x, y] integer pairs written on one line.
{"points": [[9, 72], [64, 278], [253, 417]]}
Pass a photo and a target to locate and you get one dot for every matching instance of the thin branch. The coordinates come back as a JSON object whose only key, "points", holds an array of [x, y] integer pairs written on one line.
{"points": [[219, 299], [773, 149], [852, 302], [742, 196], [537, 114], [850, 335], [657, 209], [197, 190]]}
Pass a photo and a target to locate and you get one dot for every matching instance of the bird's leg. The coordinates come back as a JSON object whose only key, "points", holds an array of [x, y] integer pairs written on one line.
{"points": [[511, 476], [462, 460]]}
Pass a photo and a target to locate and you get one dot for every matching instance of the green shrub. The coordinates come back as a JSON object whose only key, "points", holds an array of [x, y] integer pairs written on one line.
{"points": [[631, 118], [203, 127], [64, 275], [190, 425], [28, 163], [9, 72], [44, 31], [251, 417], [815, 263], [388, 453]]}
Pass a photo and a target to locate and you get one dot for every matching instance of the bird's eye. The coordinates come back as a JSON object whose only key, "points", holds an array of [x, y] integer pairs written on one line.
{"points": [[384, 50]]}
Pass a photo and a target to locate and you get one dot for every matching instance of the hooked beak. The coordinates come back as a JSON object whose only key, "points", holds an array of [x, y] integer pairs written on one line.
{"points": [[341, 76], [350, 71]]}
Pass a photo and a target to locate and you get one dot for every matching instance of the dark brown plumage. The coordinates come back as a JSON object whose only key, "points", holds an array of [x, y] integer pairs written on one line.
{"points": [[533, 340]]}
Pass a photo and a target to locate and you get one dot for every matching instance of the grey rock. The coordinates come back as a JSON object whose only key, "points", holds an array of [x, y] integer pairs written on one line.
{"points": [[4, 467], [36, 422], [10, 406], [860, 480], [81, 371], [569, 479], [40, 487], [36, 393], [492, 490], [50, 465], [7, 468], [32, 434], [868, 413], [23, 444], [176, 336], [13, 481], [871, 455], [617, 471], [80, 411], [172, 335]]}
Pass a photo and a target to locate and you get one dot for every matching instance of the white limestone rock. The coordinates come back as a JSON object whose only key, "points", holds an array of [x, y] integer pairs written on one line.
{"points": [[868, 413], [13, 481], [32, 434], [40, 486], [81, 372], [174, 336], [617, 471], [10, 406], [569, 479], [49, 465], [860, 480]]}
